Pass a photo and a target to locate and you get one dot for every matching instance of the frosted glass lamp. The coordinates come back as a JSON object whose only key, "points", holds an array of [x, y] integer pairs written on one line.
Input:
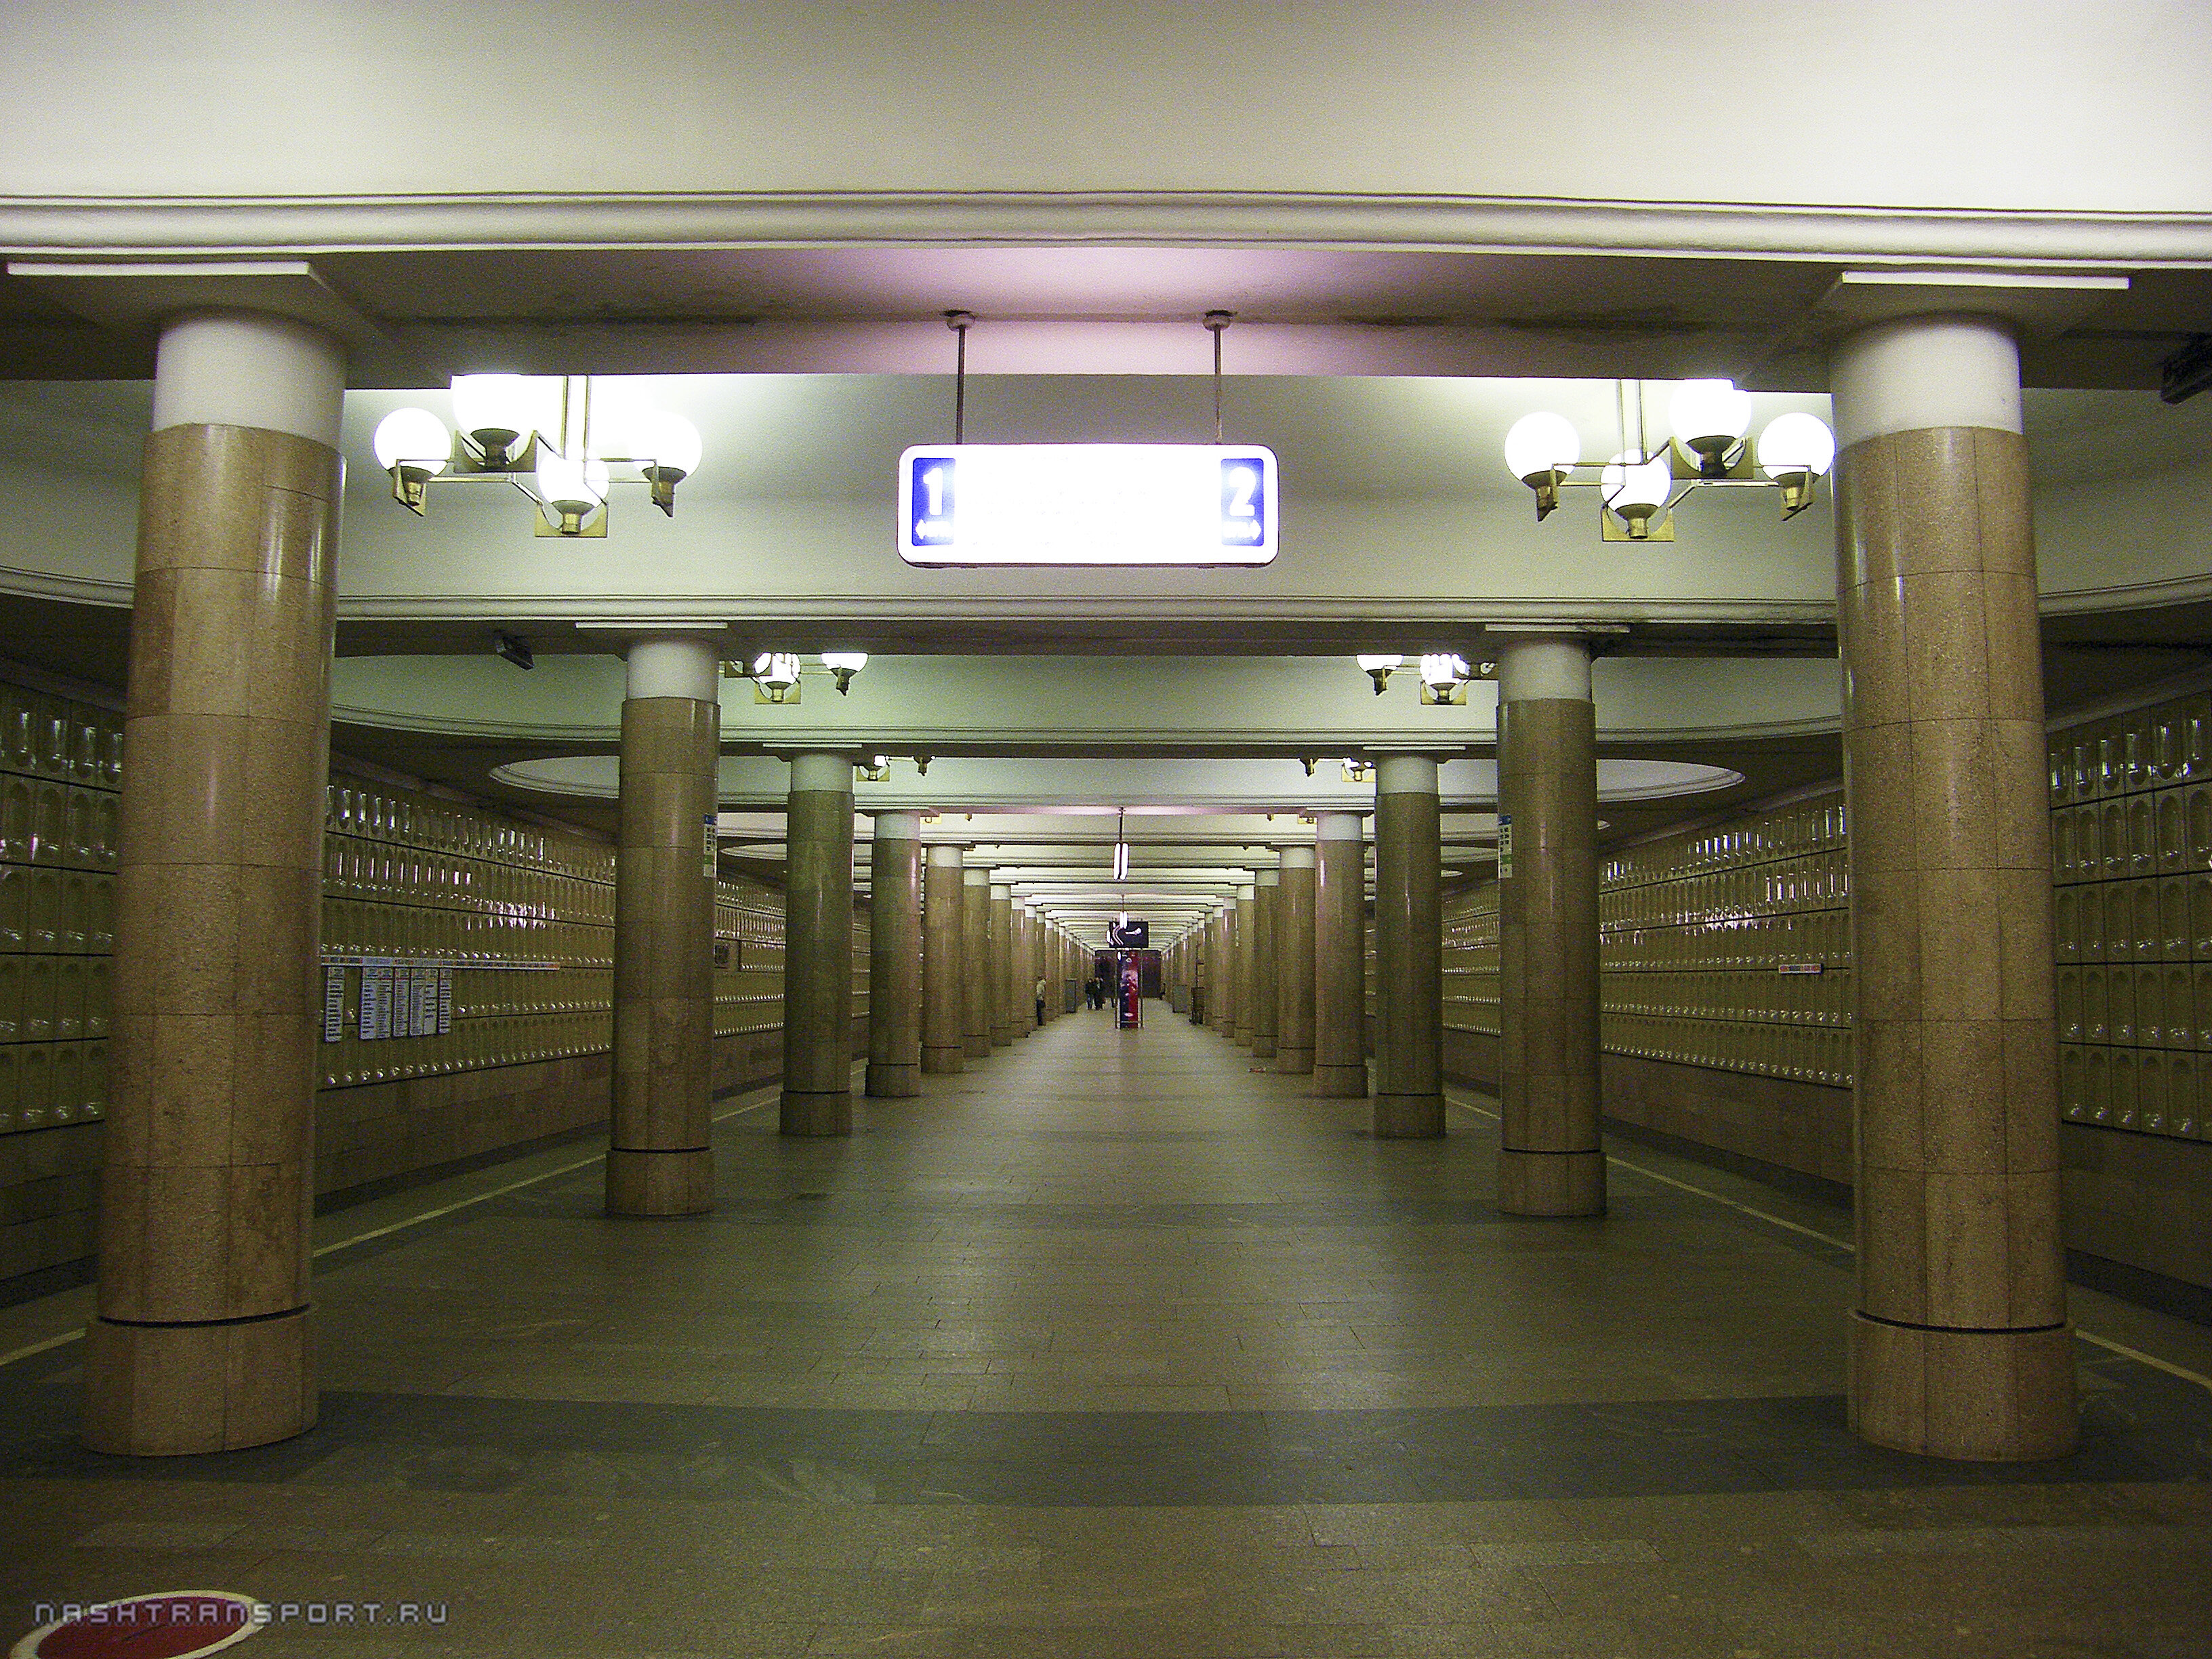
{"points": [[1540, 450], [413, 445], [1379, 669], [569, 490], [844, 664], [499, 412], [1795, 450], [1635, 489], [667, 448], [1708, 418]]}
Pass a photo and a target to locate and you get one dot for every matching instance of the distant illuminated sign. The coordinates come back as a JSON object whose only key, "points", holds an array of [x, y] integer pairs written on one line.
{"points": [[1117, 504], [1129, 935]]}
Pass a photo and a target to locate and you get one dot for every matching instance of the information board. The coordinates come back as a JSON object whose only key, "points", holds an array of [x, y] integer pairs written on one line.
{"points": [[1103, 504]]}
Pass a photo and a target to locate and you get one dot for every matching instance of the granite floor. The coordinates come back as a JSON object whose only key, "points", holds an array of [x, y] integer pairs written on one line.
{"points": [[1116, 1345]]}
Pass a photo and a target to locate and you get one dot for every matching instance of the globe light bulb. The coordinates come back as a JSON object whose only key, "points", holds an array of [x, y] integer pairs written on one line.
{"points": [[666, 440], [1794, 451], [1630, 481], [1796, 443], [1710, 418], [1635, 489], [1379, 669], [1540, 443], [499, 412], [570, 489], [844, 664], [1442, 671], [414, 438]]}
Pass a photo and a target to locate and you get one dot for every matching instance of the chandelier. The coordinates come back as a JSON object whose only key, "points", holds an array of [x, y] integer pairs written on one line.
{"points": [[1641, 485], [562, 441]]}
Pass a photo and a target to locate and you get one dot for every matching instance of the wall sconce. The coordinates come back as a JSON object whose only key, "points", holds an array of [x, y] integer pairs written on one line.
{"points": [[1379, 669], [777, 676], [538, 434], [877, 769], [1443, 678], [1641, 485], [1357, 771]]}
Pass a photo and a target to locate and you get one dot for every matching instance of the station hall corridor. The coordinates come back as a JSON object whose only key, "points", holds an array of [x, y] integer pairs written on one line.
{"points": [[1116, 1344]]}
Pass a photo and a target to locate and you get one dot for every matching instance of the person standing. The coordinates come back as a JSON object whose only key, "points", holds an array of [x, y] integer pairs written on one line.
{"points": [[1040, 999]]}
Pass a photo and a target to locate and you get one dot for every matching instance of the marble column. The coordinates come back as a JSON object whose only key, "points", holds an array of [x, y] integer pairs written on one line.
{"points": [[659, 1159], [818, 952], [895, 956], [1025, 970], [1409, 1102], [1339, 1070], [1265, 893], [1294, 962], [1959, 1343], [976, 1021], [1002, 965], [1248, 961], [1232, 963], [944, 973], [1549, 1161], [201, 1340]]}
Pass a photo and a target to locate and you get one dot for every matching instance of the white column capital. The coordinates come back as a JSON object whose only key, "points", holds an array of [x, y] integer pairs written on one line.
{"points": [[249, 369], [1268, 878], [1913, 373], [829, 773], [947, 855], [1338, 826], [1406, 774], [671, 666], [896, 826], [1546, 665], [1297, 857]]}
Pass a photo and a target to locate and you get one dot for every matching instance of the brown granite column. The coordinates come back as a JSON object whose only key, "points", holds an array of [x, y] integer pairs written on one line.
{"points": [[895, 956], [1233, 920], [1247, 1000], [1549, 1161], [658, 1159], [1294, 962], [1002, 965], [975, 963], [1340, 1070], [1409, 1102], [944, 907], [817, 951], [1026, 974], [201, 1340], [1959, 1342], [1266, 891]]}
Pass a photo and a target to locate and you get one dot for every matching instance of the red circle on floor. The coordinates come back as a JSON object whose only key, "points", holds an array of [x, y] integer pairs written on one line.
{"points": [[173, 1625]]}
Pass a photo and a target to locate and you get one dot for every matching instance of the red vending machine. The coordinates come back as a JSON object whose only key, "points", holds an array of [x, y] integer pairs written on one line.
{"points": [[1129, 1009]]}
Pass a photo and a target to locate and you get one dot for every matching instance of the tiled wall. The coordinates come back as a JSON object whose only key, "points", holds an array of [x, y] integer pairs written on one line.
{"points": [[1727, 948], [2131, 850], [60, 767], [489, 941]]}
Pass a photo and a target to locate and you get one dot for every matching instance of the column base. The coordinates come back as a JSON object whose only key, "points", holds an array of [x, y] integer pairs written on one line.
{"points": [[173, 1390], [643, 1181], [943, 1061], [1294, 1061], [1340, 1082], [1551, 1183], [890, 1080], [975, 1048], [1972, 1396], [804, 1113], [1002, 1036], [1263, 1048], [1409, 1117]]}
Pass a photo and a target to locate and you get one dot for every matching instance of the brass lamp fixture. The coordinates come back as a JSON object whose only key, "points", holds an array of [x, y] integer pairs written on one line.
{"points": [[559, 440], [778, 676], [1444, 676], [1640, 486]]}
